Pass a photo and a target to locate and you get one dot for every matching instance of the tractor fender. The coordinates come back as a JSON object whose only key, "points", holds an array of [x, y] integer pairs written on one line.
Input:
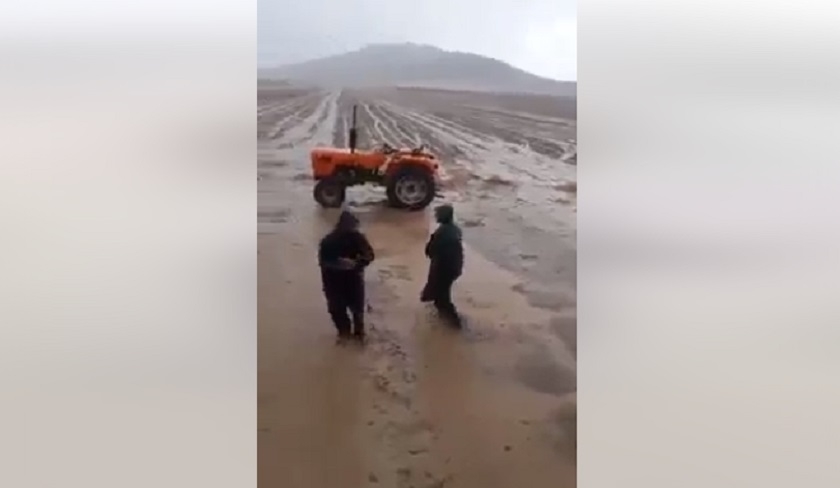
{"points": [[397, 165]]}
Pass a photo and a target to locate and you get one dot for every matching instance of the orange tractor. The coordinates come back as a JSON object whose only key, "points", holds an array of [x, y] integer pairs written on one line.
{"points": [[410, 176]]}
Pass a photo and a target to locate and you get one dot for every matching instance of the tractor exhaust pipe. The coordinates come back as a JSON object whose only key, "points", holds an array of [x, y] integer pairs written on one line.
{"points": [[352, 135]]}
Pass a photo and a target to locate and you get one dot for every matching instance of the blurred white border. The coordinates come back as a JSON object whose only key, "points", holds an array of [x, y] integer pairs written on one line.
{"points": [[128, 203], [709, 228]]}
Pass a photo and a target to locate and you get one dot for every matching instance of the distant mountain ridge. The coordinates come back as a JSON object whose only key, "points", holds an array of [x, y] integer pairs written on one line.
{"points": [[418, 65]]}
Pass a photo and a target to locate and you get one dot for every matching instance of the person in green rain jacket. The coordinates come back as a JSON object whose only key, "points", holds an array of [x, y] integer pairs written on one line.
{"points": [[446, 262]]}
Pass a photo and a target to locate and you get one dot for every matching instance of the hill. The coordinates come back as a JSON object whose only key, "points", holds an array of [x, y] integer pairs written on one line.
{"points": [[418, 66]]}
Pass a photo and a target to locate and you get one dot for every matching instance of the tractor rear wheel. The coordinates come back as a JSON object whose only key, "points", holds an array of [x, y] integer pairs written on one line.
{"points": [[412, 188], [329, 193]]}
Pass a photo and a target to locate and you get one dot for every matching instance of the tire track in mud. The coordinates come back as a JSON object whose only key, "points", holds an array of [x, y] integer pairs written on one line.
{"points": [[452, 125], [294, 115], [275, 121], [284, 162], [446, 144], [396, 422], [542, 134], [341, 128], [375, 126], [369, 131], [270, 108], [523, 117], [273, 107], [329, 122], [486, 126], [442, 119], [398, 136], [455, 136], [269, 105], [344, 106], [272, 115], [318, 126], [324, 127], [543, 138]]}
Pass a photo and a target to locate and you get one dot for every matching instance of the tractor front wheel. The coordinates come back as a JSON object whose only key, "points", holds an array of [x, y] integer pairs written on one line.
{"points": [[329, 193], [412, 188]]}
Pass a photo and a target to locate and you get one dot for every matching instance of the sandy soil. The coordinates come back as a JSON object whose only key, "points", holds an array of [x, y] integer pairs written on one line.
{"points": [[420, 405]]}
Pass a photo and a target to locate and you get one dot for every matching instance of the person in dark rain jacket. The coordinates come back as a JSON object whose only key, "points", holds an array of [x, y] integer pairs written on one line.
{"points": [[343, 255], [446, 262]]}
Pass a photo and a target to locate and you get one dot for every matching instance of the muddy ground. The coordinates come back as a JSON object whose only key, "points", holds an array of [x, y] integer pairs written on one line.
{"points": [[420, 405]]}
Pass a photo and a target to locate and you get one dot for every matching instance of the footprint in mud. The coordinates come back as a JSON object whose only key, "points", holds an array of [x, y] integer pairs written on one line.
{"points": [[540, 372], [385, 386], [381, 336]]}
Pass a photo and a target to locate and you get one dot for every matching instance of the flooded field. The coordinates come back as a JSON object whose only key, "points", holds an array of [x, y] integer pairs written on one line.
{"points": [[421, 406]]}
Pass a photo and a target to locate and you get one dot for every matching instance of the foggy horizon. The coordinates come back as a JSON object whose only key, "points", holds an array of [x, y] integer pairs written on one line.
{"points": [[539, 37]]}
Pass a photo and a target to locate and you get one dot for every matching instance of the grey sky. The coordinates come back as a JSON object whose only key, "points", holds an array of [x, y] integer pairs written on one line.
{"points": [[539, 36]]}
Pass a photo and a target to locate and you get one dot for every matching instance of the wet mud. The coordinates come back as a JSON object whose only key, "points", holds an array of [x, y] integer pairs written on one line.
{"points": [[421, 405]]}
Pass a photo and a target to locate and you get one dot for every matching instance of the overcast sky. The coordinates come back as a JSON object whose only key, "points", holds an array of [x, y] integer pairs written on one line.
{"points": [[539, 36]]}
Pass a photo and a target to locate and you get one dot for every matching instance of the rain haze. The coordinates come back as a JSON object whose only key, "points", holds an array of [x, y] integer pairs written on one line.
{"points": [[539, 36], [388, 109]]}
